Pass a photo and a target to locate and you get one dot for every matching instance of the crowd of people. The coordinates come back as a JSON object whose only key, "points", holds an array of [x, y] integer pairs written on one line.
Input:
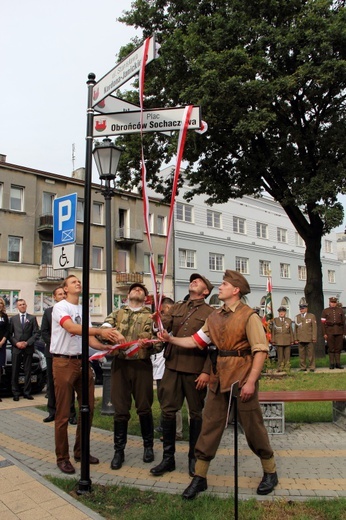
{"points": [[201, 356]]}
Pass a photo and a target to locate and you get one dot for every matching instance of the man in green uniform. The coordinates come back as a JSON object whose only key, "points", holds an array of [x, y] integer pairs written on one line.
{"points": [[282, 338], [238, 333], [186, 373], [305, 334], [333, 330], [132, 374]]}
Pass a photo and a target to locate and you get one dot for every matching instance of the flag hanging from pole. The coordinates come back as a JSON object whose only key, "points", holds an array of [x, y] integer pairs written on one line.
{"points": [[268, 308]]}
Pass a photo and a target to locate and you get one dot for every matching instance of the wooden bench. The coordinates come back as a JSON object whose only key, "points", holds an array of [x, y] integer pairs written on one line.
{"points": [[337, 397]]}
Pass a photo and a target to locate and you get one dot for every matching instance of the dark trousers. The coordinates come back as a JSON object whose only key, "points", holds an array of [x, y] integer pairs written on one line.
{"points": [[19, 355], [67, 375], [131, 378], [174, 387], [214, 423]]}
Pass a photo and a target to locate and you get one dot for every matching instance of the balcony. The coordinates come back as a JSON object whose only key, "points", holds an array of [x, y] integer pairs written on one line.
{"points": [[128, 235], [126, 279], [49, 275], [45, 226]]}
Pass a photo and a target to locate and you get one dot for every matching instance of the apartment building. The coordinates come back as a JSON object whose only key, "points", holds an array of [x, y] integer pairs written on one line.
{"points": [[26, 239]]}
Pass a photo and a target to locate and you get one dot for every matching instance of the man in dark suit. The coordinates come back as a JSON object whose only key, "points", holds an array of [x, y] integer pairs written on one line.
{"points": [[23, 333]]}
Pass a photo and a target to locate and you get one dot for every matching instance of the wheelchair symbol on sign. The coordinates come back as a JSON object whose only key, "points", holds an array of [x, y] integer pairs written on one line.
{"points": [[63, 260]]}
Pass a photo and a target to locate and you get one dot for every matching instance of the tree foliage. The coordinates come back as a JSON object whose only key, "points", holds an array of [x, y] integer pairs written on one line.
{"points": [[270, 76]]}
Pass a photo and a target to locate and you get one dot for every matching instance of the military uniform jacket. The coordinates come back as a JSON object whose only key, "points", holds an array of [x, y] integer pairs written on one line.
{"points": [[305, 330], [282, 331], [333, 321], [183, 320], [133, 325]]}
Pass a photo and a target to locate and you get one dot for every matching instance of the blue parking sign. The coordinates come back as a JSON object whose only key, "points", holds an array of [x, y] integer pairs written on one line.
{"points": [[64, 220]]}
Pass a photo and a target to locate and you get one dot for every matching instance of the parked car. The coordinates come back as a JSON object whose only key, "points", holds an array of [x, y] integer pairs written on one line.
{"points": [[38, 372]]}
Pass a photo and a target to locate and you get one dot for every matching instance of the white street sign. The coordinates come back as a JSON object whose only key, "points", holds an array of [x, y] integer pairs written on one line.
{"points": [[159, 119], [63, 256], [122, 72], [113, 104]]}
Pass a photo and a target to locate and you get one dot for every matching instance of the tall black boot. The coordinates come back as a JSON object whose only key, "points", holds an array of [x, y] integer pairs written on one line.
{"points": [[147, 429], [195, 430], [120, 438], [168, 461]]}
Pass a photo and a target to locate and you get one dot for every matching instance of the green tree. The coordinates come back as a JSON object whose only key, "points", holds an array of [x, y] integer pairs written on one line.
{"points": [[270, 76]]}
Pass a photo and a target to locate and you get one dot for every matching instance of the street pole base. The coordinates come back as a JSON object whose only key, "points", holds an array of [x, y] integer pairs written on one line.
{"points": [[84, 487]]}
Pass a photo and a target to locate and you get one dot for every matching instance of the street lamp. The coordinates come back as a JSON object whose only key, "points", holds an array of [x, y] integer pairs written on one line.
{"points": [[106, 156]]}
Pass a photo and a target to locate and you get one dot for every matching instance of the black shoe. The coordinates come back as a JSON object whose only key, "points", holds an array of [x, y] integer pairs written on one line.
{"points": [[16, 398], [50, 418], [339, 367], [117, 460], [73, 420], [164, 466], [197, 485], [302, 370], [148, 455], [192, 464], [267, 484], [29, 397], [331, 367], [158, 429]]}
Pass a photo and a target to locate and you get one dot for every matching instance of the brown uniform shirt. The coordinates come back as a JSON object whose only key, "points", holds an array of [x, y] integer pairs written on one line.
{"points": [[305, 330], [333, 321], [282, 331]]}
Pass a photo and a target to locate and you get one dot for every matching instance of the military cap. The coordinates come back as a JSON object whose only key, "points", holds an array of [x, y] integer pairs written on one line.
{"points": [[194, 276], [237, 280], [139, 285], [282, 308], [333, 299], [302, 306]]}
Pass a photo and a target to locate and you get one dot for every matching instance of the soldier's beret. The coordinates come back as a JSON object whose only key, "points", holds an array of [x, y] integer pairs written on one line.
{"points": [[237, 280], [194, 276]]}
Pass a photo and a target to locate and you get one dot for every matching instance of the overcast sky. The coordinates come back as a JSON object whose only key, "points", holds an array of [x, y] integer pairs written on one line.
{"points": [[47, 50]]}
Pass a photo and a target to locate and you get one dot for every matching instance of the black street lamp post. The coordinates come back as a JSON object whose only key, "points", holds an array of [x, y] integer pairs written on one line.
{"points": [[106, 156]]}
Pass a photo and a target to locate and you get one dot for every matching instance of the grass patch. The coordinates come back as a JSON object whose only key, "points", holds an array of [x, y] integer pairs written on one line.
{"points": [[124, 503]]}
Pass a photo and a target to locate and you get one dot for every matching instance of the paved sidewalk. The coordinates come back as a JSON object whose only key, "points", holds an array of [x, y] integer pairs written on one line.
{"points": [[310, 459]]}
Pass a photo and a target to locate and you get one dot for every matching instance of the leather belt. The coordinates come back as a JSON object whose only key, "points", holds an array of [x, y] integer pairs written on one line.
{"points": [[79, 356], [235, 353]]}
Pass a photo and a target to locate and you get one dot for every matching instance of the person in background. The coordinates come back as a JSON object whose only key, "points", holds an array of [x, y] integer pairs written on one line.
{"points": [[186, 373], [237, 332], [24, 330], [4, 334], [305, 334], [333, 330], [282, 338]]}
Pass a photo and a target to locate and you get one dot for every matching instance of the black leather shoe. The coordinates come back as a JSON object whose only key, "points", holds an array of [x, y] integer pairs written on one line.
{"points": [[267, 484], [30, 397], [332, 367], [197, 485], [192, 464], [164, 466], [50, 418], [73, 420], [117, 460], [148, 455], [339, 367], [16, 398]]}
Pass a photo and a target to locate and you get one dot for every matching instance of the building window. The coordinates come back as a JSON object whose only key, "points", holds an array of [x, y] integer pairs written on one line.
{"points": [[281, 235], [184, 212], [123, 261], [285, 271], [302, 272], [328, 246], [160, 262], [216, 262], [187, 258], [47, 203], [78, 258], [80, 210], [97, 213], [265, 267], [1, 193], [213, 219], [151, 223], [10, 298], [239, 225], [95, 303], [242, 265], [46, 253], [42, 300], [161, 225], [96, 257], [299, 241], [146, 263], [261, 230], [17, 198], [14, 253], [331, 276]]}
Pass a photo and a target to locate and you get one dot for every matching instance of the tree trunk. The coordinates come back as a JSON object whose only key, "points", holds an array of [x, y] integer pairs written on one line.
{"points": [[314, 287]]}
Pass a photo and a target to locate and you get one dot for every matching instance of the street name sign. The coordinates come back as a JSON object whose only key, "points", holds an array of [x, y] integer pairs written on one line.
{"points": [[112, 104], [123, 71], [158, 119]]}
